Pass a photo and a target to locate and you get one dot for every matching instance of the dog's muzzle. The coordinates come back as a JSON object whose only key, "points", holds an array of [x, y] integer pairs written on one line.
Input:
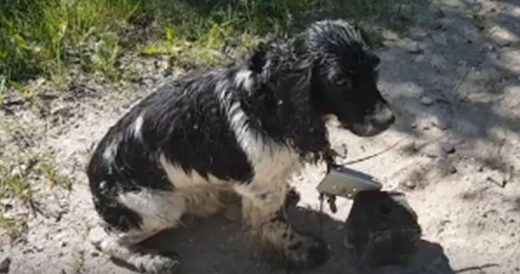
{"points": [[380, 120], [383, 117]]}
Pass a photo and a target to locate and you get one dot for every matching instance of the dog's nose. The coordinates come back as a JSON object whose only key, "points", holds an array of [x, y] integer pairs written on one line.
{"points": [[383, 118]]}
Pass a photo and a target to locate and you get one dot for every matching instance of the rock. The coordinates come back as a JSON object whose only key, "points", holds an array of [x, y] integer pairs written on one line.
{"points": [[448, 148], [427, 101], [383, 228], [502, 37], [390, 35], [392, 39], [452, 169], [409, 45], [4, 265], [60, 110], [413, 47], [410, 184], [441, 124]]}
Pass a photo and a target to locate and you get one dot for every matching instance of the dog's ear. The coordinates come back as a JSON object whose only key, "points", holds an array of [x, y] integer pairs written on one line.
{"points": [[257, 58]]}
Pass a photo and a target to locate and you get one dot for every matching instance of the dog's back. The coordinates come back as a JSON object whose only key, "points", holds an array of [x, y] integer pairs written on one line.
{"points": [[183, 124]]}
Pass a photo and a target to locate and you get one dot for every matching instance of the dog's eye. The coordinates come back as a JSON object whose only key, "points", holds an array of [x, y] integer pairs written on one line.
{"points": [[340, 81]]}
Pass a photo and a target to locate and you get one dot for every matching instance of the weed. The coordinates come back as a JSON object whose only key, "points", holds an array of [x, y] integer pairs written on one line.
{"points": [[13, 182], [11, 228], [8, 226], [50, 172], [18, 186], [6, 223]]}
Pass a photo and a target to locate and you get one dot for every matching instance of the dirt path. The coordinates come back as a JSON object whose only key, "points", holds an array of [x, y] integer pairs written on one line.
{"points": [[455, 85]]}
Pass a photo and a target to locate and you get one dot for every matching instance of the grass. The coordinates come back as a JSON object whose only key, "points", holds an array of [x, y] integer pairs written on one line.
{"points": [[56, 38], [9, 226], [7, 223], [17, 186], [14, 183], [50, 172]]}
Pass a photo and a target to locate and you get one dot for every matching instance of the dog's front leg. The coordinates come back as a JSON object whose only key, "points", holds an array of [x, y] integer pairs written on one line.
{"points": [[263, 213]]}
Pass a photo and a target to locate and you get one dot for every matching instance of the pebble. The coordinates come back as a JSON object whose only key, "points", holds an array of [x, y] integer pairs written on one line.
{"points": [[414, 48], [4, 265], [390, 35], [410, 45], [431, 155], [419, 59], [448, 148], [452, 169], [427, 101], [410, 184], [59, 110], [442, 125], [502, 37]]}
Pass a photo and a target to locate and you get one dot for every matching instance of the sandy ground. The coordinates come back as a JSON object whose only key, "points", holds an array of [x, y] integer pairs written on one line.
{"points": [[454, 83]]}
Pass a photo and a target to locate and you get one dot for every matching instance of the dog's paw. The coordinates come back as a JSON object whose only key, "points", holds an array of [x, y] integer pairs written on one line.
{"points": [[158, 263], [306, 253]]}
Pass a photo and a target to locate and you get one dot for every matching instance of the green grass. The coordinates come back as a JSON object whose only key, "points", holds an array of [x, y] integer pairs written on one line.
{"points": [[50, 172], [13, 183], [9, 225], [57, 38]]}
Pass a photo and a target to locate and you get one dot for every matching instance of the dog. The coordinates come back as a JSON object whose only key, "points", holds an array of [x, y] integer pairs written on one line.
{"points": [[246, 128]]}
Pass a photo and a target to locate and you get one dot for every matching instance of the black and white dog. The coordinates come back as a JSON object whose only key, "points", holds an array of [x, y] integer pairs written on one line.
{"points": [[244, 129]]}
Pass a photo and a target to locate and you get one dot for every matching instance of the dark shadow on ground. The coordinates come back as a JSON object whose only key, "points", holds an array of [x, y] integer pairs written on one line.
{"points": [[430, 258], [468, 76], [217, 245]]}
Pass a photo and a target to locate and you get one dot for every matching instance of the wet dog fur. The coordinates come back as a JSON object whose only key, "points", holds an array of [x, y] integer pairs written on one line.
{"points": [[246, 129]]}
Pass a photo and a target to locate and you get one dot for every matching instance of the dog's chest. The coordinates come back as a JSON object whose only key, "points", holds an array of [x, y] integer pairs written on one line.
{"points": [[273, 163]]}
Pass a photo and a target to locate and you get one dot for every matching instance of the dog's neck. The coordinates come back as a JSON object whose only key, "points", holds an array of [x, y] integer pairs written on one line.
{"points": [[278, 102]]}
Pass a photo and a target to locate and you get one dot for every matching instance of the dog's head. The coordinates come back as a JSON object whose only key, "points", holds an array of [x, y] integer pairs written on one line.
{"points": [[344, 77]]}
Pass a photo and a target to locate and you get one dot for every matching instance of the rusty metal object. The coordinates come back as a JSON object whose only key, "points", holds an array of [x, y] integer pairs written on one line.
{"points": [[383, 228]]}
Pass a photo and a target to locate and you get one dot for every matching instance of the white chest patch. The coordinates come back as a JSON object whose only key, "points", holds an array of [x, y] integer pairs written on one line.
{"points": [[270, 160]]}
